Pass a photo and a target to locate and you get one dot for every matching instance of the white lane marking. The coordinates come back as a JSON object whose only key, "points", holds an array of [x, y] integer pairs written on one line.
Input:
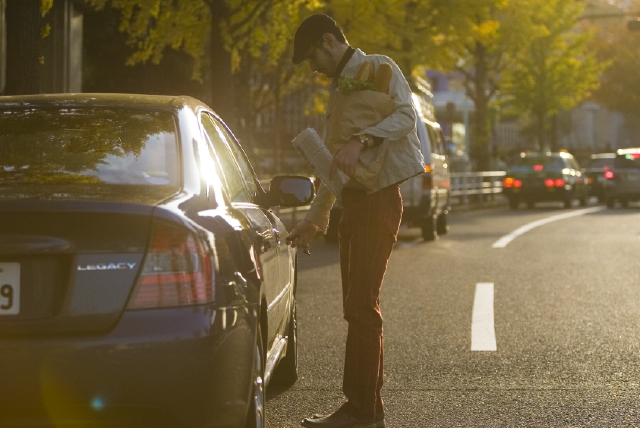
{"points": [[483, 333], [505, 240]]}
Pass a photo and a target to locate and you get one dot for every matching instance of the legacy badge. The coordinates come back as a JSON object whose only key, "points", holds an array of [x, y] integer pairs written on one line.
{"points": [[108, 266]]}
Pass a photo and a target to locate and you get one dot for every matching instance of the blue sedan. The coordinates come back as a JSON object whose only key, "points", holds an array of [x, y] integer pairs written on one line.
{"points": [[144, 278]]}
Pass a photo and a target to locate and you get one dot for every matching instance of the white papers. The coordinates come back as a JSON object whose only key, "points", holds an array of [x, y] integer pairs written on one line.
{"points": [[311, 147]]}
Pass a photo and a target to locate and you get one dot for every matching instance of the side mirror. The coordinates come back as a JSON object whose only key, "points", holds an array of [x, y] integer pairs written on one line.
{"points": [[291, 191]]}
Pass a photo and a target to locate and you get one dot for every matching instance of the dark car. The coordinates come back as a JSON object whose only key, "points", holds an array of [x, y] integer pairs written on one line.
{"points": [[598, 166], [623, 179], [545, 177], [144, 280]]}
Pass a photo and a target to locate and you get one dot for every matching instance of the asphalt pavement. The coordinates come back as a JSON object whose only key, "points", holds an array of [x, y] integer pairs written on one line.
{"points": [[564, 314]]}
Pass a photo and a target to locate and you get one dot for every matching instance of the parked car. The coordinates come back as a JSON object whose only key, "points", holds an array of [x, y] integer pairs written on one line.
{"points": [[623, 179], [425, 198], [599, 164], [145, 280], [544, 177]]}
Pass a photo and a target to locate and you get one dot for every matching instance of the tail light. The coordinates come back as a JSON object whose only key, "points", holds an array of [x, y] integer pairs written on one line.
{"points": [[511, 182], [609, 175], [550, 182], [427, 182], [178, 271]]}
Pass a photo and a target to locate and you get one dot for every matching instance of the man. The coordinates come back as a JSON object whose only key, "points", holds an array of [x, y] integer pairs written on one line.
{"points": [[370, 218]]}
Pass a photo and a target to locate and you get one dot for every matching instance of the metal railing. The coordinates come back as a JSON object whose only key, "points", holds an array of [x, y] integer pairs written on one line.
{"points": [[476, 187], [467, 189]]}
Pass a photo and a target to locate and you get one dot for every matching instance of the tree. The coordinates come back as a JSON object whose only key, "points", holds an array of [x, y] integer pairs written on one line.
{"points": [[230, 29], [556, 70], [620, 87], [24, 31]]}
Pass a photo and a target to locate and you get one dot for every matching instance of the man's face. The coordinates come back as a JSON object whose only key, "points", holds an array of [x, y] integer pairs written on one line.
{"points": [[321, 61]]}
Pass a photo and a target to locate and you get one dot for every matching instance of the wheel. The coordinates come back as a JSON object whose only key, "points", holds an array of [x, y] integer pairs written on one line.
{"points": [[514, 203], [256, 416], [611, 202], [568, 201], [584, 201], [442, 223], [429, 228], [287, 372]]}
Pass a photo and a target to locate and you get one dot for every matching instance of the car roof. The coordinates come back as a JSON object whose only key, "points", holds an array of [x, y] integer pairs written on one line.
{"points": [[159, 102], [546, 154], [603, 155], [633, 150]]}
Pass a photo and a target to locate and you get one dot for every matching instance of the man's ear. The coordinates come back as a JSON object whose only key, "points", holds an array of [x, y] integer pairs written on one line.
{"points": [[329, 39]]}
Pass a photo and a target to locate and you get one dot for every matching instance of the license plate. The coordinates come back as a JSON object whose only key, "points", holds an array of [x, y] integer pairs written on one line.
{"points": [[9, 288], [516, 190]]}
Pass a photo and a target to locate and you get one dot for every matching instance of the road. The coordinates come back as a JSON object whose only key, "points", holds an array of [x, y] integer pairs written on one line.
{"points": [[564, 317]]}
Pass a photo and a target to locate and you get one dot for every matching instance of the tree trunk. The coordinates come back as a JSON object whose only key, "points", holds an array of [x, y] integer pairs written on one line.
{"points": [[23, 47], [221, 83], [540, 131], [482, 135]]}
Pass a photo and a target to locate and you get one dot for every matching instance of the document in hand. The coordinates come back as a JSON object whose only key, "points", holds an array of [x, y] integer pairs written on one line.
{"points": [[311, 147]]}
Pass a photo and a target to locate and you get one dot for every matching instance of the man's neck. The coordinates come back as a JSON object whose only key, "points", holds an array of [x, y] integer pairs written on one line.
{"points": [[343, 59]]}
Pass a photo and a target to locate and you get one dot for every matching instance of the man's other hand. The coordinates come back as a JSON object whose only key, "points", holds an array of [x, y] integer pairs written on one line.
{"points": [[347, 158], [302, 235]]}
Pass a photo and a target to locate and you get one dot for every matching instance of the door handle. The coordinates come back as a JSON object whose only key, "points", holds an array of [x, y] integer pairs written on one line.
{"points": [[263, 241]]}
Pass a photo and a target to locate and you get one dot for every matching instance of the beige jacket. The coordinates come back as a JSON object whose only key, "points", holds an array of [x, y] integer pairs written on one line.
{"points": [[403, 158]]}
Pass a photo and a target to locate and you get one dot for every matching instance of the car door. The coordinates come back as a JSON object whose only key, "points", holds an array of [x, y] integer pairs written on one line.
{"points": [[241, 196], [285, 255], [440, 168]]}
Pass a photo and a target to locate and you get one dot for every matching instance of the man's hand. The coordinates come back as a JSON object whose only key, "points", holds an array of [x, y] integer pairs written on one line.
{"points": [[302, 235], [346, 158]]}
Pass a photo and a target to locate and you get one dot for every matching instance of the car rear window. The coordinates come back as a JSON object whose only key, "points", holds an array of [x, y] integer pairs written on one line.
{"points": [[629, 161], [87, 146], [601, 162], [529, 163]]}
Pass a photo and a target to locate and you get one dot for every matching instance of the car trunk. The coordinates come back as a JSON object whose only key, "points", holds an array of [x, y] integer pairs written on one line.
{"points": [[68, 264]]}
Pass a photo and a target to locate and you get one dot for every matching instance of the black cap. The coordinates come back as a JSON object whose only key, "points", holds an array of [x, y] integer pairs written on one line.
{"points": [[309, 34]]}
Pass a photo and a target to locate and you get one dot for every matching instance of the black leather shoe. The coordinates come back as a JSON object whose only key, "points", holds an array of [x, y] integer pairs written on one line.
{"points": [[338, 419]]}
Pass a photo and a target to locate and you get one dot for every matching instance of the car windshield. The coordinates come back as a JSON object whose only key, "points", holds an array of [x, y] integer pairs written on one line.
{"points": [[87, 146], [538, 163]]}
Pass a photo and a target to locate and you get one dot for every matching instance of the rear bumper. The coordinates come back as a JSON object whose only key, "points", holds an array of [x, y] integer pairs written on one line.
{"points": [[187, 367], [537, 194]]}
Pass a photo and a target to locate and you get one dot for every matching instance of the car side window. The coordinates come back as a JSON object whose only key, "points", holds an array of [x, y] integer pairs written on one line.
{"points": [[233, 181], [240, 157], [573, 164]]}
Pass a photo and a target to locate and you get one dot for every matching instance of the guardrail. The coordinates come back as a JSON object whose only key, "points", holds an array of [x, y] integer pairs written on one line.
{"points": [[467, 189], [476, 187]]}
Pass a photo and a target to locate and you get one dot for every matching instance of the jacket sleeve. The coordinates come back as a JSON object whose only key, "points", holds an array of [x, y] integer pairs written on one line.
{"points": [[402, 120], [318, 213]]}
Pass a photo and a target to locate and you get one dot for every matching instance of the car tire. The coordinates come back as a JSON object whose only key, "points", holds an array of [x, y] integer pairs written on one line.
{"points": [[287, 372], [514, 203], [568, 201], [256, 415], [429, 228], [611, 203], [584, 200], [442, 223]]}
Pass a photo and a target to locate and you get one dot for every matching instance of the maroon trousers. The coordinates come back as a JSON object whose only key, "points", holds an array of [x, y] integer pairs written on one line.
{"points": [[367, 231]]}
